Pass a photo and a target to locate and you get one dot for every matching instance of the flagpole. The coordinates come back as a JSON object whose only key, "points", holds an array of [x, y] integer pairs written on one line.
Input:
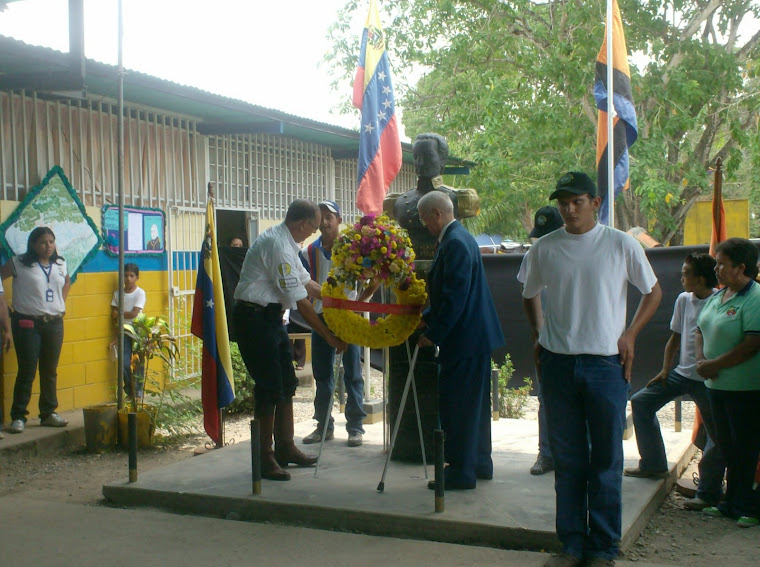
{"points": [[610, 118], [120, 186]]}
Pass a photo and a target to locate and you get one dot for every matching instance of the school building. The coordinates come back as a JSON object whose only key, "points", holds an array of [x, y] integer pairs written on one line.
{"points": [[61, 109]]}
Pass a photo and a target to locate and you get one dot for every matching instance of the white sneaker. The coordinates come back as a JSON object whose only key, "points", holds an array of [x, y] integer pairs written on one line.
{"points": [[1, 435], [17, 426]]}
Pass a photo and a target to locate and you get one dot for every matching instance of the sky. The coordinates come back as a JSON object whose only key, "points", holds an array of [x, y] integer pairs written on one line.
{"points": [[263, 52]]}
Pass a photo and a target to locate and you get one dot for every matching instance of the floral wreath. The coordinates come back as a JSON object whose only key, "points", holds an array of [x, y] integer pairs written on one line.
{"points": [[373, 250]]}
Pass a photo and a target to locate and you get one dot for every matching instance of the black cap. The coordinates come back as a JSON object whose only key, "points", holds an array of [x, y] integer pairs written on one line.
{"points": [[546, 220], [575, 182]]}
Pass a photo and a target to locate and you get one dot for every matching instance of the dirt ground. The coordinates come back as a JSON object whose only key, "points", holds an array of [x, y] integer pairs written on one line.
{"points": [[674, 536]]}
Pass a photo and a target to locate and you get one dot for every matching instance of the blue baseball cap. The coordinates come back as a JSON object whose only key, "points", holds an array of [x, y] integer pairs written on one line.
{"points": [[331, 206]]}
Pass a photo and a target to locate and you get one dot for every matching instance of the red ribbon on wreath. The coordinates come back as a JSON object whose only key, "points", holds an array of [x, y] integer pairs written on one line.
{"points": [[385, 308]]}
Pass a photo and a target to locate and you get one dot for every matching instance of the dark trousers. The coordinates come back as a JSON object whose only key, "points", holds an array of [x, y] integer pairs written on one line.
{"points": [[737, 426], [36, 342], [464, 406], [585, 398], [139, 379], [266, 351]]}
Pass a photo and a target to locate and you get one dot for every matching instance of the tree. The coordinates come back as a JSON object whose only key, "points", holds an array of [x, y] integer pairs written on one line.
{"points": [[509, 83]]}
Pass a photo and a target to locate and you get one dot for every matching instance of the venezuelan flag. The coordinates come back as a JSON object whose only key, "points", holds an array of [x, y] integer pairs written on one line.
{"points": [[210, 325], [379, 145], [625, 128]]}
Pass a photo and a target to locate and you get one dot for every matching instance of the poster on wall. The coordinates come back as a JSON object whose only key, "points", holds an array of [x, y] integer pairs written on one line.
{"points": [[55, 204], [143, 230]]}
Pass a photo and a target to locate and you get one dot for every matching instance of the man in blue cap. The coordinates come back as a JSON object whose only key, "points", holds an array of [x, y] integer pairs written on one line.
{"points": [[317, 259]]}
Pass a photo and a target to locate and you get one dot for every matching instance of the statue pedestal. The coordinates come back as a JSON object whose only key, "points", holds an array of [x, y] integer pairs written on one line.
{"points": [[407, 447]]}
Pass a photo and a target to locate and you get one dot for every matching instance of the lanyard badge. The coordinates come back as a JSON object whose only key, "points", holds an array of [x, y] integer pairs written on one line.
{"points": [[47, 271]]}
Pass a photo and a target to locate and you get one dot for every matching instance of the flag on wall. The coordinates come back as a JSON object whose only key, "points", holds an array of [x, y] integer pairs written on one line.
{"points": [[625, 128], [379, 145], [210, 325]]}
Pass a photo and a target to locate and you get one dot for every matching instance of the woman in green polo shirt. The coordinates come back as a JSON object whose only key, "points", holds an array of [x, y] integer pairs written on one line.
{"points": [[727, 345]]}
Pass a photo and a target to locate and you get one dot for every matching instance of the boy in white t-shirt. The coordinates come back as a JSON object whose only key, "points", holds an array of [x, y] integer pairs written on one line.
{"points": [[698, 280], [584, 353], [134, 302]]}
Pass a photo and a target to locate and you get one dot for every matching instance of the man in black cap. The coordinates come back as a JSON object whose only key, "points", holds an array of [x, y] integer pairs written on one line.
{"points": [[547, 219], [584, 354]]}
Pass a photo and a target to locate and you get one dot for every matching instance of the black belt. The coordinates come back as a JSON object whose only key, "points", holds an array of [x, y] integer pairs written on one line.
{"points": [[40, 318], [270, 307]]}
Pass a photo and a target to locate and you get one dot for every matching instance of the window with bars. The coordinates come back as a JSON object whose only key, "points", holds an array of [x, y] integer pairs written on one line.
{"points": [[162, 153]]}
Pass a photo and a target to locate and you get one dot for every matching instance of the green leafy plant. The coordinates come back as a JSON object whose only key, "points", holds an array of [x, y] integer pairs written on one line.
{"points": [[151, 338], [244, 402], [512, 401]]}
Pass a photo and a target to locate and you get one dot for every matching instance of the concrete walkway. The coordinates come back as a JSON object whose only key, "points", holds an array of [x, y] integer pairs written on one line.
{"points": [[514, 510]]}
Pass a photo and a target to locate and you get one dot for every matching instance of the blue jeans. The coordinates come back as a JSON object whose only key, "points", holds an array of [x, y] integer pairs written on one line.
{"points": [[139, 378], [585, 398], [322, 358], [36, 342], [543, 429], [737, 427], [645, 404]]}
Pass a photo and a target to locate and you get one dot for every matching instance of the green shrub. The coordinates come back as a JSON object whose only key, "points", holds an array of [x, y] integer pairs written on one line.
{"points": [[511, 400], [244, 401]]}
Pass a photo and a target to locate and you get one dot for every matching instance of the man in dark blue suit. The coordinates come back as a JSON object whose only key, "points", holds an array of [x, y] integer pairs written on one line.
{"points": [[463, 323]]}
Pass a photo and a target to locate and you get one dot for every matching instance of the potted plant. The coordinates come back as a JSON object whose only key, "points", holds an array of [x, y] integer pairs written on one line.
{"points": [[151, 339]]}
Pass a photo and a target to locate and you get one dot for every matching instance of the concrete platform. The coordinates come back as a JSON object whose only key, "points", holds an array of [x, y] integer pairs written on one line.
{"points": [[514, 510]]}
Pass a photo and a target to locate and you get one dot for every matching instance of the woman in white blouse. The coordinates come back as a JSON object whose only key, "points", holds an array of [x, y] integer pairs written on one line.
{"points": [[40, 287]]}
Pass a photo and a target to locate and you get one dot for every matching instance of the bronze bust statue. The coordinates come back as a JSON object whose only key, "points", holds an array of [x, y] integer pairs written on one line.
{"points": [[430, 154]]}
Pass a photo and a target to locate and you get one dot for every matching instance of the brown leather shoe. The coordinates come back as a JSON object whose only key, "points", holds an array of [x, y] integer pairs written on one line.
{"points": [[285, 450], [270, 469]]}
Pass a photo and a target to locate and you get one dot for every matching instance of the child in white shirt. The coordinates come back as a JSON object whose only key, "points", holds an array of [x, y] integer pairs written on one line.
{"points": [[134, 302]]}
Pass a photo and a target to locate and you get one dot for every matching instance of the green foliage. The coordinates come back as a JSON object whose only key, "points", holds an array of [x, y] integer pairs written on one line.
{"points": [[244, 401], [510, 86], [171, 409], [511, 400]]}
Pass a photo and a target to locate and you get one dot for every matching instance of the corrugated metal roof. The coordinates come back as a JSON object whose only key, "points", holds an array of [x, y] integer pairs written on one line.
{"points": [[213, 113]]}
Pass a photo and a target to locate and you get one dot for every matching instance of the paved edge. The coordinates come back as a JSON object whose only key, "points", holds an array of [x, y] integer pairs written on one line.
{"points": [[355, 521], [664, 488]]}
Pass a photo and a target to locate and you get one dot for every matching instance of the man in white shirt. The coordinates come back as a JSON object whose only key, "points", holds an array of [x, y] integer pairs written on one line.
{"points": [[584, 353], [273, 279], [698, 280], [317, 259]]}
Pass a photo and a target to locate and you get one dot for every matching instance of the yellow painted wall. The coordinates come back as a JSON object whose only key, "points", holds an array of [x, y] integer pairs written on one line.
{"points": [[86, 375], [698, 225]]}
